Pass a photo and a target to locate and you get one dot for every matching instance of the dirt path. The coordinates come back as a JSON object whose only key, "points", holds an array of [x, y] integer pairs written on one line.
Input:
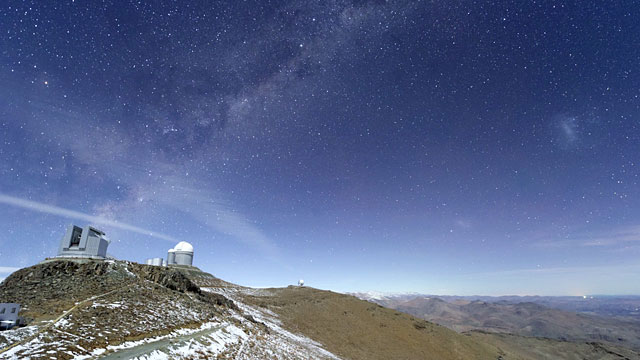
{"points": [[162, 345]]}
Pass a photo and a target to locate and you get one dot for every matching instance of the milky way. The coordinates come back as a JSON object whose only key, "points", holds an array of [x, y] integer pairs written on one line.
{"points": [[442, 147]]}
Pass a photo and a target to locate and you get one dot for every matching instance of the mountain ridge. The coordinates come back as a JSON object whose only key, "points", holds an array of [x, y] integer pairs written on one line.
{"points": [[119, 309]]}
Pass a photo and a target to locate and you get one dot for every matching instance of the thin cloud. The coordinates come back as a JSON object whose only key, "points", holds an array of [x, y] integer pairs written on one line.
{"points": [[212, 211], [616, 237], [58, 211], [8, 269], [622, 236], [557, 271]]}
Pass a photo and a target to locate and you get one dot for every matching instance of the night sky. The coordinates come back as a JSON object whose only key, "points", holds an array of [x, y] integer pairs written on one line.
{"points": [[443, 147]]}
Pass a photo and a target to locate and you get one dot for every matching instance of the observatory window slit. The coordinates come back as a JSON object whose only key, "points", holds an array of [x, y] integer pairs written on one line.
{"points": [[75, 236]]}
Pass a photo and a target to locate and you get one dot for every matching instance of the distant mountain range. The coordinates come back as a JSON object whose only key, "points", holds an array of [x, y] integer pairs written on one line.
{"points": [[605, 305], [613, 320]]}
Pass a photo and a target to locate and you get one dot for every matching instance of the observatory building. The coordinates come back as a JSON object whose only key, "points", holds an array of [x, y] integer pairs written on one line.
{"points": [[181, 254], [156, 262], [87, 242], [9, 315]]}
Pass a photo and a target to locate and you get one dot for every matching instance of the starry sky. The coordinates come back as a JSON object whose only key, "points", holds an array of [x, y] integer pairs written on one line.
{"points": [[443, 147]]}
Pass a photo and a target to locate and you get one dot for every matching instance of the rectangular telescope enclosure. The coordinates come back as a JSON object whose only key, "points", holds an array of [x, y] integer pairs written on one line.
{"points": [[87, 242]]}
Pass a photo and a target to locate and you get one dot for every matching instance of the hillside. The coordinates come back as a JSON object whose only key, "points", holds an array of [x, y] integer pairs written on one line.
{"points": [[354, 329], [516, 347], [113, 309]]}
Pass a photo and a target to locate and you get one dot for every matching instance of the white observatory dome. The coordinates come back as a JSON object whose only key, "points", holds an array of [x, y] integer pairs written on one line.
{"points": [[183, 246], [172, 250]]}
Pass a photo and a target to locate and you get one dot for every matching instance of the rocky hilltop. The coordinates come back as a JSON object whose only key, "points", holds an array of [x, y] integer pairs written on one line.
{"points": [[49, 288]]}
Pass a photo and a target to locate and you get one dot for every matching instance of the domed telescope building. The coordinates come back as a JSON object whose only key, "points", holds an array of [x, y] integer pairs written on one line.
{"points": [[181, 254]]}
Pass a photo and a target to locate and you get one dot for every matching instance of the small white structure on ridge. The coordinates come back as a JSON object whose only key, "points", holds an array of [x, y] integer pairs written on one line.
{"points": [[9, 315], [155, 261], [300, 282], [171, 257]]}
